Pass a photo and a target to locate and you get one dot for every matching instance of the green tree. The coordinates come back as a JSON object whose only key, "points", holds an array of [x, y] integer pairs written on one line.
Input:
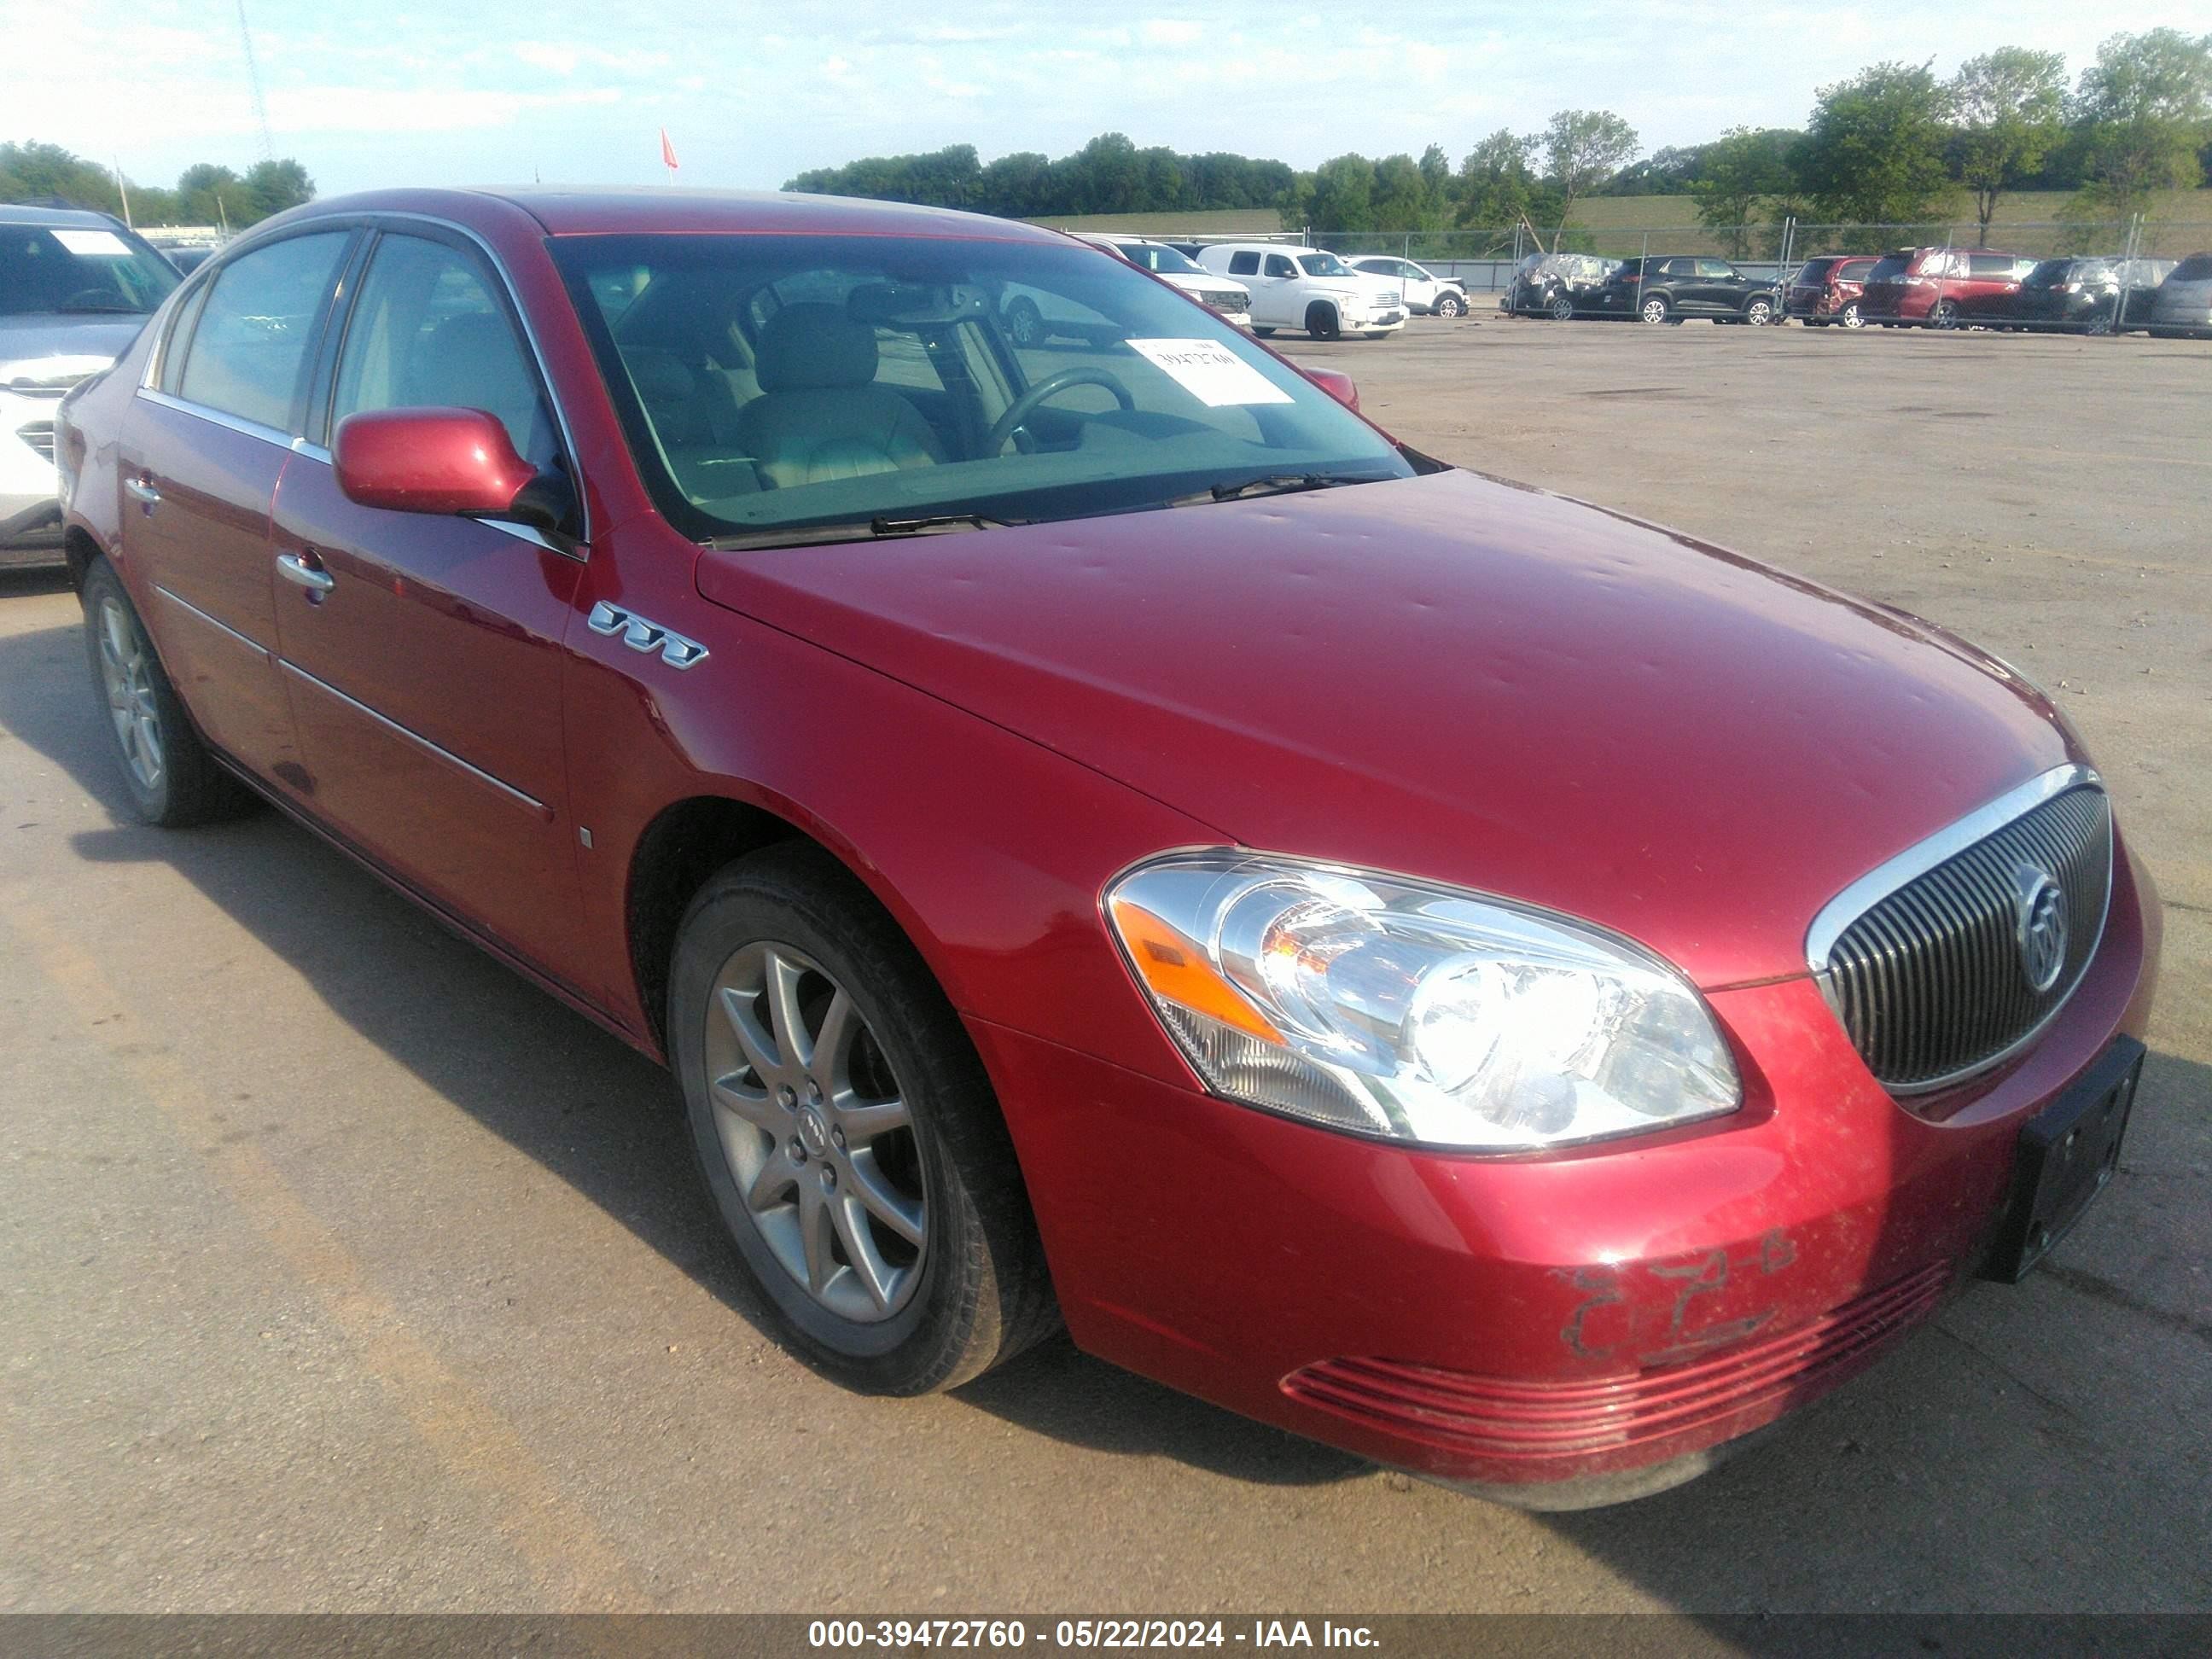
{"points": [[1402, 195], [272, 186], [1497, 187], [1583, 148], [1873, 153], [1735, 173], [35, 171], [1343, 194], [2009, 106], [1436, 174], [2145, 104]]}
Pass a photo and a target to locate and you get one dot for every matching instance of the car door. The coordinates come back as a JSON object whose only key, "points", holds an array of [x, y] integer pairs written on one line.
{"points": [[422, 653], [200, 451], [1721, 287], [1992, 280], [1420, 287]]}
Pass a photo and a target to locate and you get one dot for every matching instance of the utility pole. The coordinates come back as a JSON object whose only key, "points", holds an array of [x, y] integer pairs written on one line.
{"points": [[124, 191]]}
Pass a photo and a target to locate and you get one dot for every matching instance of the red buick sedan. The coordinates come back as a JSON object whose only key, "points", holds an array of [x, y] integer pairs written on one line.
{"points": [[1103, 834]]}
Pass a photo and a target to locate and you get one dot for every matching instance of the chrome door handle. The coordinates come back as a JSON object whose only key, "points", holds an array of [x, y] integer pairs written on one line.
{"points": [[295, 569], [142, 489]]}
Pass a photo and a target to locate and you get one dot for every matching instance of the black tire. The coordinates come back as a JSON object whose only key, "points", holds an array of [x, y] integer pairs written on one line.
{"points": [[1026, 323], [1655, 309], [1450, 305], [186, 785], [1323, 323], [982, 1294], [1264, 333]]}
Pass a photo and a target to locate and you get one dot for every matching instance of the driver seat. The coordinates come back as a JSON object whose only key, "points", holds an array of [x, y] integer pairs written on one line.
{"points": [[820, 414]]}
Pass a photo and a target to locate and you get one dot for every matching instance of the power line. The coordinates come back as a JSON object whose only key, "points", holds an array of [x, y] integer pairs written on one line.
{"points": [[253, 80]]}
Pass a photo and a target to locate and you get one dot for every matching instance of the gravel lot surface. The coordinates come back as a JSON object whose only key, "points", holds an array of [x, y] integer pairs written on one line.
{"points": [[340, 1270]]}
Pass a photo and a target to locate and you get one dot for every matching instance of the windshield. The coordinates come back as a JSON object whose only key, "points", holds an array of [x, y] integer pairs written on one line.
{"points": [[770, 385], [60, 268], [1152, 256], [1322, 264]]}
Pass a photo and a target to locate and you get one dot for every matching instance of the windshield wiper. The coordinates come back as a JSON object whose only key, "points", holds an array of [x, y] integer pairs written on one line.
{"points": [[1274, 484], [884, 528]]}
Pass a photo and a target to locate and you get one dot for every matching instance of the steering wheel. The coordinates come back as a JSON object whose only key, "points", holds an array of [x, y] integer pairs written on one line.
{"points": [[1051, 387]]}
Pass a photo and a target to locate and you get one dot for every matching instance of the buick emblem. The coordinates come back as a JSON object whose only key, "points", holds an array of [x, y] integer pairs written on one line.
{"points": [[2039, 925]]}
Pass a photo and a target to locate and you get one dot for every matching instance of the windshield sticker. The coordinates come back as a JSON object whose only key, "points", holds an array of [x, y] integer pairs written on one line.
{"points": [[1212, 374], [93, 241]]}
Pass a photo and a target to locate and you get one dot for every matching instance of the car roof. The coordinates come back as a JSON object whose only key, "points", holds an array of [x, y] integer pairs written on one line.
{"points": [[13, 213], [1291, 248], [643, 211]]}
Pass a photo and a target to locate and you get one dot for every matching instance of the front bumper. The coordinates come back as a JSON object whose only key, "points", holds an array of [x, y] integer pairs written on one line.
{"points": [[1557, 1330], [30, 508]]}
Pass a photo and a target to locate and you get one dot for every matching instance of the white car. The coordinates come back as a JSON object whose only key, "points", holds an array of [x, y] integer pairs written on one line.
{"points": [[1231, 300], [1304, 288], [1426, 294]]}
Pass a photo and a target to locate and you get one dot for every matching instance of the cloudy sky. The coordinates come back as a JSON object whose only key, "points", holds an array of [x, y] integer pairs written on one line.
{"points": [[576, 91]]}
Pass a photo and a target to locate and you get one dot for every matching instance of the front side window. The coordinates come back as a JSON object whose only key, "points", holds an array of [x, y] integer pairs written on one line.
{"points": [[64, 270], [427, 332], [1280, 266], [1322, 264], [250, 342], [1163, 261], [775, 385]]}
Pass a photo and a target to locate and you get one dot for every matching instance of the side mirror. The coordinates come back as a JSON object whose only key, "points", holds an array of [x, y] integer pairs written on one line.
{"points": [[1336, 383], [436, 461]]}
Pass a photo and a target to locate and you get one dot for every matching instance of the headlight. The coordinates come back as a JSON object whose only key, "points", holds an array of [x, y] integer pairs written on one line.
{"points": [[1397, 1009]]}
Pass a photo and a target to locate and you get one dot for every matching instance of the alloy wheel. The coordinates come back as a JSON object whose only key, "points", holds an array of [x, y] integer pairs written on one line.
{"points": [[1945, 315], [1758, 314], [127, 678], [1563, 308], [1654, 311], [816, 1132]]}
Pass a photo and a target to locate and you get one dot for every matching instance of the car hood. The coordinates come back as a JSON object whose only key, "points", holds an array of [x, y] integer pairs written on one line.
{"points": [[1456, 678], [55, 350], [1202, 282]]}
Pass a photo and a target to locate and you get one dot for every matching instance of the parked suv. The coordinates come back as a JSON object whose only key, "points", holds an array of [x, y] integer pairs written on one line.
{"points": [[1304, 288], [74, 290], [2084, 295], [1677, 288], [1556, 285], [1426, 294], [1223, 295], [2183, 304], [1943, 287], [1827, 290]]}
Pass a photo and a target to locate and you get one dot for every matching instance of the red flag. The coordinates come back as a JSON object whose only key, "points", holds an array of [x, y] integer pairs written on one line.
{"points": [[667, 152]]}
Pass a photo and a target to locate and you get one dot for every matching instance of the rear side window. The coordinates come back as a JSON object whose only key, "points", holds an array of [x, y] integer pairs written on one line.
{"points": [[1889, 269], [1681, 268], [1278, 266], [1990, 265], [1244, 264], [428, 333], [1854, 270], [251, 340], [1715, 268]]}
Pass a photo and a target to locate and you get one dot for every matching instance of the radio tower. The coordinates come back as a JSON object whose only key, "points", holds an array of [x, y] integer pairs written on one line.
{"points": [[253, 80]]}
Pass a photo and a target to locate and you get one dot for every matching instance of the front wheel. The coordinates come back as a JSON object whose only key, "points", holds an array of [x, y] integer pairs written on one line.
{"points": [[847, 1133], [1322, 322], [172, 779]]}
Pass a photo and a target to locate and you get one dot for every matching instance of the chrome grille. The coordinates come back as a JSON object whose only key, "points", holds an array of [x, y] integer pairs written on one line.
{"points": [[1930, 980], [39, 435]]}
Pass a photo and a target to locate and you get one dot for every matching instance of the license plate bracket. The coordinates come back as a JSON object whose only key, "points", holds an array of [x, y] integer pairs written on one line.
{"points": [[2067, 1151]]}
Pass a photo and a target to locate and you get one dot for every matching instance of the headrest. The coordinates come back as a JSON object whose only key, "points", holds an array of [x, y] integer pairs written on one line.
{"points": [[465, 360], [659, 376], [811, 346]]}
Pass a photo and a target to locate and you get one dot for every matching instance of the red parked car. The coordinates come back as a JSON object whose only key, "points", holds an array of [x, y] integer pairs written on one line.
{"points": [[1827, 290], [1105, 835], [1942, 286]]}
